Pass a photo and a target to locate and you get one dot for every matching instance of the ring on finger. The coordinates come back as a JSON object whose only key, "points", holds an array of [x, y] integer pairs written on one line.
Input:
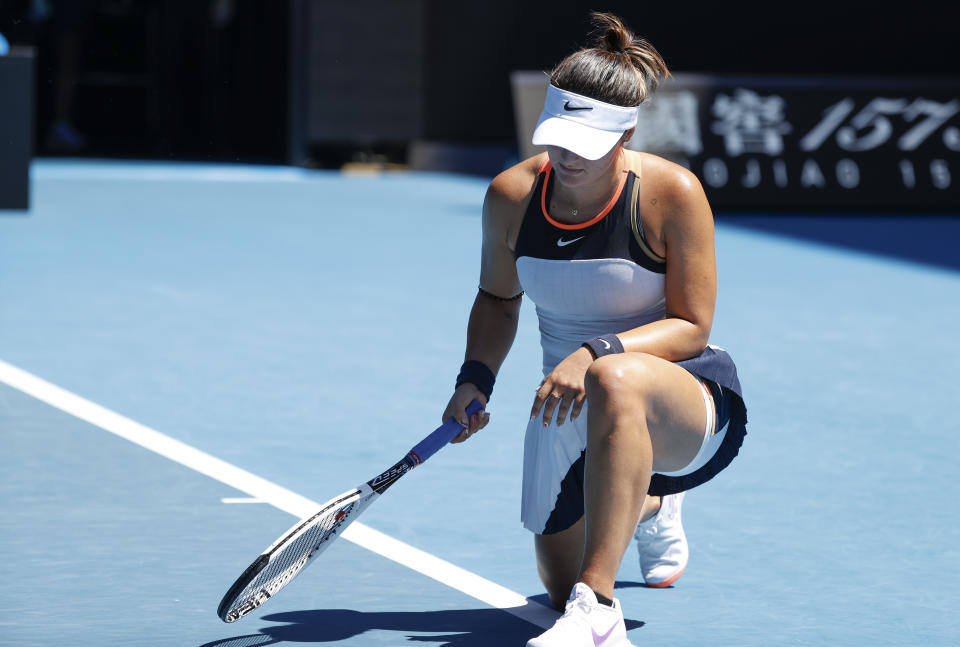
{"points": [[557, 396]]}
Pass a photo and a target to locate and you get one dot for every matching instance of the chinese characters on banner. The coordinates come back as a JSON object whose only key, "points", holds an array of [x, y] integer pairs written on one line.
{"points": [[799, 144]]}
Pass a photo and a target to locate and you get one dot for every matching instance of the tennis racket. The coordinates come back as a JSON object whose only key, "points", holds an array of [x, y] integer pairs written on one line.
{"points": [[285, 558]]}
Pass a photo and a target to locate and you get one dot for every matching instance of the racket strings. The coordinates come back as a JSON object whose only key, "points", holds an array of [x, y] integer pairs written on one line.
{"points": [[292, 556]]}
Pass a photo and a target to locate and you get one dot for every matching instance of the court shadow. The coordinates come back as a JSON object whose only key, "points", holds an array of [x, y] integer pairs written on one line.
{"points": [[448, 628], [929, 239], [626, 584]]}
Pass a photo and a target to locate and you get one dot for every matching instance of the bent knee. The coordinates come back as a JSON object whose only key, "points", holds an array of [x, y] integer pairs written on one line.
{"points": [[558, 561], [557, 599], [613, 375], [558, 584]]}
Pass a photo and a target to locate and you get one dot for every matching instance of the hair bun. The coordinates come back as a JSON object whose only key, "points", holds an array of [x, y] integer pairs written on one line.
{"points": [[610, 33], [617, 67]]}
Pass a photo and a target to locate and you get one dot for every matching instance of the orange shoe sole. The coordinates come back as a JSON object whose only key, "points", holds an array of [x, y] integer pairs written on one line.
{"points": [[667, 582]]}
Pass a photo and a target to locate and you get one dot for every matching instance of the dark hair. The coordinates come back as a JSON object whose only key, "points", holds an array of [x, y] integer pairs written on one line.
{"points": [[617, 68]]}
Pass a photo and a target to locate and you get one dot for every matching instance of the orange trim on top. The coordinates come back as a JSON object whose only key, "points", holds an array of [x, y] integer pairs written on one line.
{"points": [[546, 166]]}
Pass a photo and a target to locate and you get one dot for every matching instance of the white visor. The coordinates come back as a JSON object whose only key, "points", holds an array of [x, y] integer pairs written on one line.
{"points": [[585, 126]]}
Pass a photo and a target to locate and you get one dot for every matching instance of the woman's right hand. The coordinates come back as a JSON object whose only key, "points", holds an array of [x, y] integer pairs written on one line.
{"points": [[457, 408]]}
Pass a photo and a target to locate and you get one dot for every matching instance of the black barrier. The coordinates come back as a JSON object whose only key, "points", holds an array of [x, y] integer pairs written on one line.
{"points": [[811, 144], [16, 128]]}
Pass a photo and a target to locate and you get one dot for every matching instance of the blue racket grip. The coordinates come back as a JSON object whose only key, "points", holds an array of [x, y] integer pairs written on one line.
{"points": [[441, 436]]}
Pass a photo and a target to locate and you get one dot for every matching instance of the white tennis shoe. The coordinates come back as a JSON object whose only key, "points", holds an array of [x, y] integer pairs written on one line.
{"points": [[662, 544], [585, 623]]}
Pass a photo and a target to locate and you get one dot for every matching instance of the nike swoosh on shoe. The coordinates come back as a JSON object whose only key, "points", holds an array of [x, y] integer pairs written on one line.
{"points": [[598, 639]]}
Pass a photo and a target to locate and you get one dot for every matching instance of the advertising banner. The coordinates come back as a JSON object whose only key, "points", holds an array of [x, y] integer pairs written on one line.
{"points": [[806, 144]]}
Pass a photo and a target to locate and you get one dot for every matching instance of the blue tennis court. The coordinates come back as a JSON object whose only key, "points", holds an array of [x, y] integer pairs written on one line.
{"points": [[193, 355]]}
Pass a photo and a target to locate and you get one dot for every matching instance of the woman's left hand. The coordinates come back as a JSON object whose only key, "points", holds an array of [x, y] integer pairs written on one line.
{"points": [[563, 390]]}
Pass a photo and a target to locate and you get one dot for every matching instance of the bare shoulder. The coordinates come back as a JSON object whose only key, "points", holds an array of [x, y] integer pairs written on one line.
{"points": [[508, 195], [514, 186], [672, 198], [672, 181]]}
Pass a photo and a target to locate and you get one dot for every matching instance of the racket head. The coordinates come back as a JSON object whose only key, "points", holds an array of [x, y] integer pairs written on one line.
{"points": [[285, 558]]}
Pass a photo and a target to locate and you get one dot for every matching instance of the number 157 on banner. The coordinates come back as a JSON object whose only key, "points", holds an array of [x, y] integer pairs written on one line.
{"points": [[872, 127]]}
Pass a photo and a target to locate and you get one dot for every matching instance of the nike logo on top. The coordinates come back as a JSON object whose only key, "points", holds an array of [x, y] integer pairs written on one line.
{"points": [[568, 107], [563, 243]]}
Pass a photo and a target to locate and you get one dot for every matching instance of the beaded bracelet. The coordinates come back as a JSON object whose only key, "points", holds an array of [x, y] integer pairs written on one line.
{"points": [[490, 295]]}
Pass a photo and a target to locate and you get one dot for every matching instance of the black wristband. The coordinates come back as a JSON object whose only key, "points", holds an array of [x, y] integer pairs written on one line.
{"points": [[604, 345], [478, 374]]}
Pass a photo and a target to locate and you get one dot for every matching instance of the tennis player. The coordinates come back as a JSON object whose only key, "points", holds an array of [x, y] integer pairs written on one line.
{"points": [[615, 247]]}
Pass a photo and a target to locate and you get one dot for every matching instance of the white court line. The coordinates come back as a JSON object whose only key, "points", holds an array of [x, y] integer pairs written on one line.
{"points": [[433, 567], [65, 169]]}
